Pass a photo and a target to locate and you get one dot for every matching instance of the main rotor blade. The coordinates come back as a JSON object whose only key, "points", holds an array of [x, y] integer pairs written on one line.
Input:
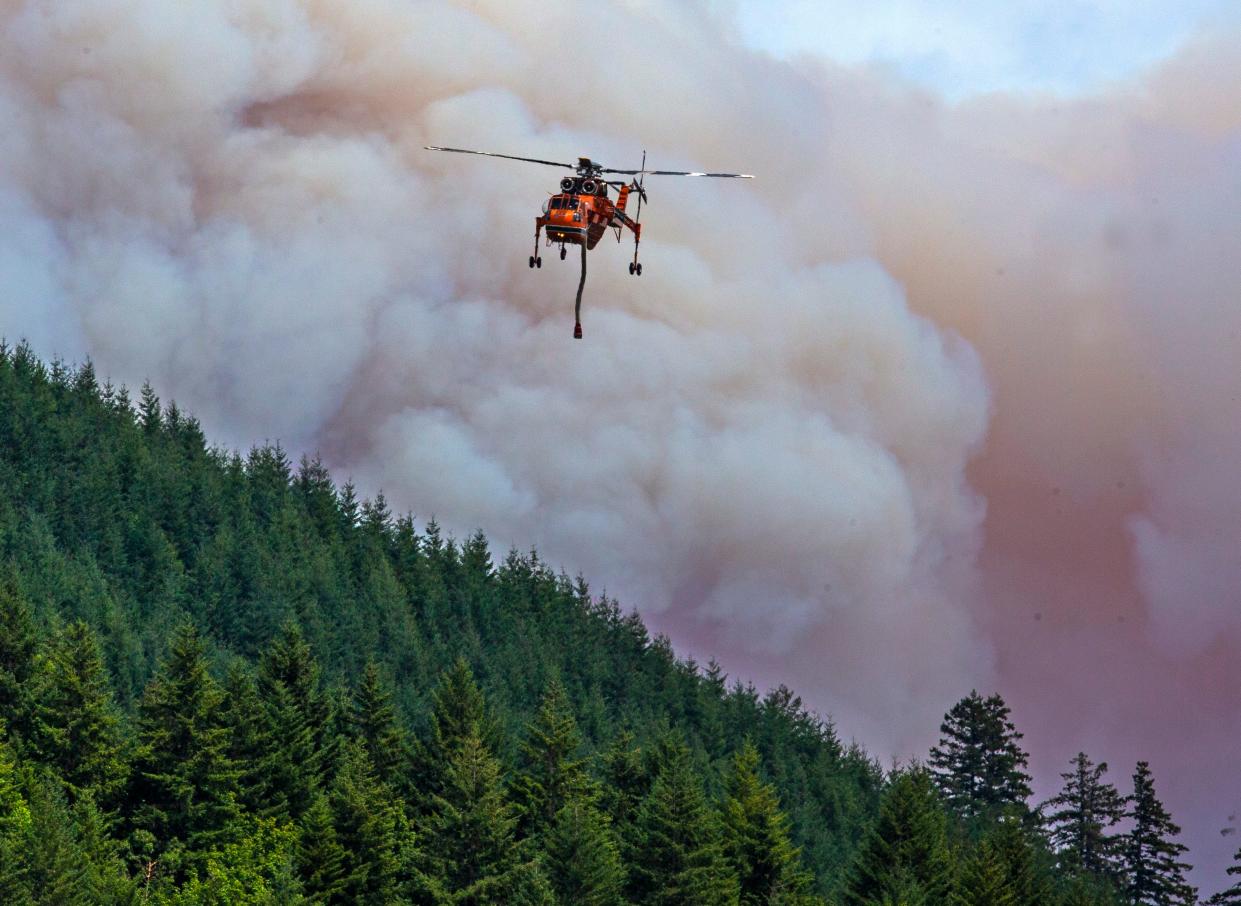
{"points": [[529, 160], [679, 173]]}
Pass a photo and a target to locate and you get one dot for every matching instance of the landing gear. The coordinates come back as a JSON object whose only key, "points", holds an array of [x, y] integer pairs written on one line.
{"points": [[635, 268], [536, 261], [563, 251]]}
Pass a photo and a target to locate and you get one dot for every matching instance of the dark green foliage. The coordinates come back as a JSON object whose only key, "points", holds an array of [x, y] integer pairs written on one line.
{"points": [[756, 839], [979, 764], [330, 620], [1154, 874], [369, 827], [77, 730], [582, 857], [905, 857], [320, 857], [550, 770], [184, 788], [676, 854], [1081, 818], [17, 646], [1025, 860], [983, 880], [375, 722]]}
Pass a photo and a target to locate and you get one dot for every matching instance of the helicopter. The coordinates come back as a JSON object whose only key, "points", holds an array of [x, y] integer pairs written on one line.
{"points": [[582, 212]]}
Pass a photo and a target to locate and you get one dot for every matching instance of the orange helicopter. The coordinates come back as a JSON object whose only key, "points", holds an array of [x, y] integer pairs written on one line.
{"points": [[581, 212]]}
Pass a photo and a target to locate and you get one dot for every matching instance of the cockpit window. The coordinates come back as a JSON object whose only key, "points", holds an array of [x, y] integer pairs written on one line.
{"points": [[561, 202]]}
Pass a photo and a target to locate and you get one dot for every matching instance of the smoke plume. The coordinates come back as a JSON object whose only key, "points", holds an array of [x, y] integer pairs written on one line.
{"points": [[945, 398]]}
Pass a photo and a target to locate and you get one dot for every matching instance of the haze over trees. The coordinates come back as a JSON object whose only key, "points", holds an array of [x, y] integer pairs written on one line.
{"points": [[225, 679]]}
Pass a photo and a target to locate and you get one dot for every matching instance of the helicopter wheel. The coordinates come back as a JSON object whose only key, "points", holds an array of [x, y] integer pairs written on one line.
{"points": [[639, 270], [538, 262], [631, 268], [532, 261], [563, 251]]}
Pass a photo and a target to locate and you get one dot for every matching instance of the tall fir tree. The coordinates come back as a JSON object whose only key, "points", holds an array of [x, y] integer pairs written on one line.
{"points": [[1080, 819], [374, 721], [676, 855], [370, 829], [582, 857], [983, 880], [550, 769], [185, 783], [979, 765], [77, 728], [458, 712], [757, 839], [1026, 862], [905, 854], [1154, 874], [299, 718], [320, 857], [17, 647]]}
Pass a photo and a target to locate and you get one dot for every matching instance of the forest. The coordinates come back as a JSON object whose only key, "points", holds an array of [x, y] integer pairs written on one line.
{"points": [[225, 679]]}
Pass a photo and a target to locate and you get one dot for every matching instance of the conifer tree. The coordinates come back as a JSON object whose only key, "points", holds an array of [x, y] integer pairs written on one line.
{"points": [[17, 647], [1084, 811], [251, 745], [626, 781], [1024, 858], [1231, 896], [468, 836], [757, 840], [905, 854], [583, 857], [16, 827], [76, 725], [458, 712], [320, 857], [982, 881], [1154, 874], [298, 722], [185, 788], [375, 723], [979, 764], [550, 771], [369, 829], [676, 855]]}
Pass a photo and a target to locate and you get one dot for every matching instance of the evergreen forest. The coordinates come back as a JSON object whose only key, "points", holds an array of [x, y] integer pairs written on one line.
{"points": [[225, 679]]}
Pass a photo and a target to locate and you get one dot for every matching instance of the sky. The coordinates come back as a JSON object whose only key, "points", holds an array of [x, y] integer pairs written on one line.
{"points": [[944, 399], [963, 48]]}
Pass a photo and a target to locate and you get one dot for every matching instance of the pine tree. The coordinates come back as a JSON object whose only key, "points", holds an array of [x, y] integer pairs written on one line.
{"points": [[77, 730], [369, 829], [1154, 876], [757, 839], [185, 788], [375, 723], [983, 881], [250, 742], [16, 827], [676, 856], [905, 854], [320, 857], [1023, 856], [458, 712], [1231, 896], [17, 647], [550, 771], [583, 857], [299, 718], [1085, 809], [626, 781], [978, 764], [468, 836]]}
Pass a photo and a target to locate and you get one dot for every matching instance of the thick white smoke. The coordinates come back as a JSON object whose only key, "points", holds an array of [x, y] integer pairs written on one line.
{"points": [[764, 441]]}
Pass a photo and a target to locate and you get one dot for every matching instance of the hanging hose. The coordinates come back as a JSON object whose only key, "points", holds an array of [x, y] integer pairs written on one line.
{"points": [[577, 310]]}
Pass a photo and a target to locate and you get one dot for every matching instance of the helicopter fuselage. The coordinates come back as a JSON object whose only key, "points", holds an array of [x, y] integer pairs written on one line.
{"points": [[582, 212]]}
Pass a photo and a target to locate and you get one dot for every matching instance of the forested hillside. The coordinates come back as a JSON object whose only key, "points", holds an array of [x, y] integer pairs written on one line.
{"points": [[224, 679]]}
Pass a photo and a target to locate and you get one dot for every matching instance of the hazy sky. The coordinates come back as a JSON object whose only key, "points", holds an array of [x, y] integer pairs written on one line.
{"points": [[966, 47], [946, 398]]}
